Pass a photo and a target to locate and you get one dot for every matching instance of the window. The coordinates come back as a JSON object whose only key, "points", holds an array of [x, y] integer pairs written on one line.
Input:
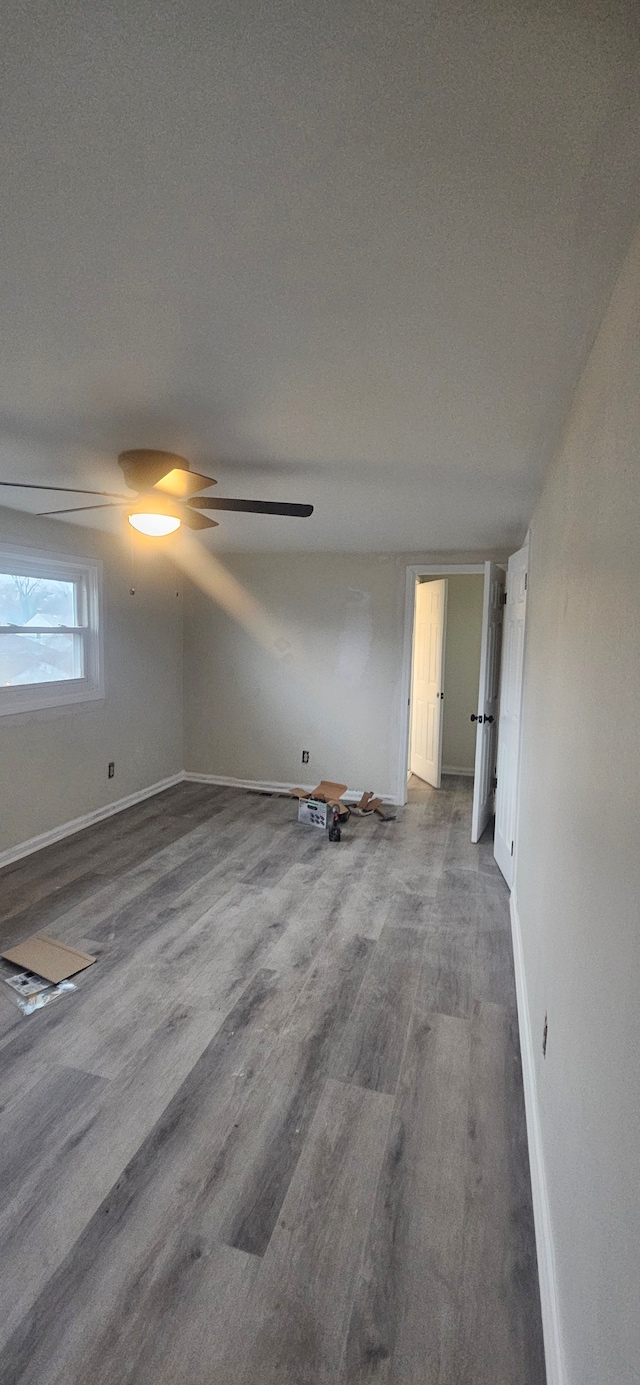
{"points": [[50, 634]]}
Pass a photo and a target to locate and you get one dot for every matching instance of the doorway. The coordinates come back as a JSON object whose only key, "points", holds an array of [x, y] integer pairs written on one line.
{"points": [[424, 674], [445, 675]]}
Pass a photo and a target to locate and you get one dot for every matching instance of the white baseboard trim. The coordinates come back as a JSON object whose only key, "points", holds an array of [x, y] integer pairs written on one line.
{"points": [[67, 829], [457, 769], [270, 786], [554, 1355]]}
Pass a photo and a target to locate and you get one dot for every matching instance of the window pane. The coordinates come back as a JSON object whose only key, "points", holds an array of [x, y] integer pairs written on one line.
{"points": [[40, 659], [36, 601]]}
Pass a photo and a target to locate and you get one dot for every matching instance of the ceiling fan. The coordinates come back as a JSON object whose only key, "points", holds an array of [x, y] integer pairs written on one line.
{"points": [[167, 495]]}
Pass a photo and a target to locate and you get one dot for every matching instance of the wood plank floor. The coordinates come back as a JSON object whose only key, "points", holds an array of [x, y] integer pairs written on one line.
{"points": [[277, 1137]]}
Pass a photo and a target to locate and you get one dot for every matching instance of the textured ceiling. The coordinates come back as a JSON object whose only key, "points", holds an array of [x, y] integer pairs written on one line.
{"points": [[347, 253]]}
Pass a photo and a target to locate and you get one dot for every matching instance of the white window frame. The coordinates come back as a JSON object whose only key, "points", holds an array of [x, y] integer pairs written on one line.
{"points": [[34, 697]]}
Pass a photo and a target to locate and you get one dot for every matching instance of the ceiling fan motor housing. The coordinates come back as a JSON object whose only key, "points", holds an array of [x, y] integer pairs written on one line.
{"points": [[143, 468]]}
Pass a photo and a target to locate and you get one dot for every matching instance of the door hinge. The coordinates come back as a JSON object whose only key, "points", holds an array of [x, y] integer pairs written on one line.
{"points": [[512, 848], [494, 782], [504, 598], [526, 580]]}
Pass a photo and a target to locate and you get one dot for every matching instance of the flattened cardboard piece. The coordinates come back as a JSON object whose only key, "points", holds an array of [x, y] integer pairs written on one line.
{"points": [[368, 805], [49, 958]]}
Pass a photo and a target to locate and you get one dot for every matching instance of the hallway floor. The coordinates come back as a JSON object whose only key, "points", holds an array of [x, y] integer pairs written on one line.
{"points": [[277, 1137]]}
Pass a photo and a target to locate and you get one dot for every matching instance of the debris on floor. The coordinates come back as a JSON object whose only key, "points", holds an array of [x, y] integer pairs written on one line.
{"points": [[48, 958], [323, 807], [31, 992], [369, 804], [24, 983], [314, 813], [45, 967]]}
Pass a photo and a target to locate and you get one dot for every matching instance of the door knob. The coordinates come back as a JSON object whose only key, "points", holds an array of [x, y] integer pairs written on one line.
{"points": [[489, 719], [475, 718]]}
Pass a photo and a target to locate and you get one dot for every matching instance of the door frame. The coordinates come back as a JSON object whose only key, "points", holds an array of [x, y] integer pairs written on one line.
{"points": [[413, 572]]}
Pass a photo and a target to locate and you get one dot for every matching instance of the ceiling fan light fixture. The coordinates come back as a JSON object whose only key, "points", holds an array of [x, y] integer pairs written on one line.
{"points": [[155, 516], [155, 526]]}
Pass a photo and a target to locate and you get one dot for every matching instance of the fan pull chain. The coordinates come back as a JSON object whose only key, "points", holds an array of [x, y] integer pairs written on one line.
{"points": [[132, 590]]}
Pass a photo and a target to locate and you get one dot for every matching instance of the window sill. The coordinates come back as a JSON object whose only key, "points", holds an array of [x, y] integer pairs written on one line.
{"points": [[40, 696]]}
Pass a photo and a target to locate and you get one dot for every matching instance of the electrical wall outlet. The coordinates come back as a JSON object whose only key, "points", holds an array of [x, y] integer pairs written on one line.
{"points": [[112, 769], [305, 757]]}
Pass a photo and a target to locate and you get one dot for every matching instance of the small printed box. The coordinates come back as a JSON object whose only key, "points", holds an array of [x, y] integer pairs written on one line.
{"points": [[312, 812]]}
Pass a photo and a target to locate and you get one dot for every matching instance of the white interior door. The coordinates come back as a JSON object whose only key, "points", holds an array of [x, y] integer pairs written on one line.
{"points": [[488, 694], [430, 622], [510, 712]]}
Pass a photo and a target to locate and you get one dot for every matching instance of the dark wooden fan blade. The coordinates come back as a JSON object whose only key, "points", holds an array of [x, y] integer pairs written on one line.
{"points": [[181, 484], [68, 490], [77, 509], [144, 468], [251, 507], [194, 520]]}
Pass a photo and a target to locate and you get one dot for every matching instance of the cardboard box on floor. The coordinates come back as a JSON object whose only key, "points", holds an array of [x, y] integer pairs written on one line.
{"points": [[49, 958], [326, 792], [312, 813]]}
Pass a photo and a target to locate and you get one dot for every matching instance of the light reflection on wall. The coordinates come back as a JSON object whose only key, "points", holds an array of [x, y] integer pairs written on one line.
{"points": [[206, 571]]}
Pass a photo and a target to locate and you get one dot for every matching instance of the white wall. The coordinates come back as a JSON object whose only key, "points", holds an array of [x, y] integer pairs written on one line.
{"points": [[577, 881], [328, 680], [53, 764]]}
